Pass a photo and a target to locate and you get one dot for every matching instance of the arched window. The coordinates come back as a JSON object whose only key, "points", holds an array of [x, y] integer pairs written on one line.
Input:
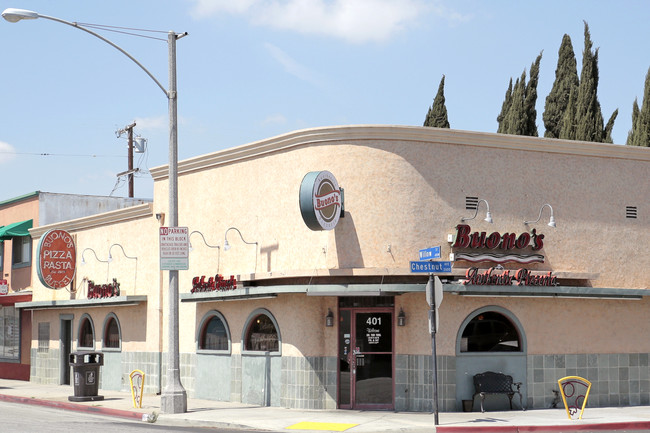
{"points": [[112, 337], [490, 331], [86, 336], [262, 333], [214, 335]]}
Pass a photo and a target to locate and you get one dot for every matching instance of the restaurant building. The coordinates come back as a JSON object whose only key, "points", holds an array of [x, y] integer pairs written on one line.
{"points": [[17, 216], [301, 292]]}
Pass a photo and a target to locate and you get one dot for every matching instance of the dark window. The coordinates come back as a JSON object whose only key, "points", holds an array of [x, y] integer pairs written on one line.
{"points": [[262, 335], [9, 332], [86, 333], [21, 251], [490, 332], [214, 335], [112, 334]]}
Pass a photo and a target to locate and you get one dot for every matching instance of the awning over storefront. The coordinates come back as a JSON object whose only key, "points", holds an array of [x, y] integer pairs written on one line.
{"points": [[16, 229], [119, 301], [398, 289]]}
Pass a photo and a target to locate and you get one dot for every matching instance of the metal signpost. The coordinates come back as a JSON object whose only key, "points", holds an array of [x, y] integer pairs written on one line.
{"points": [[434, 298]]}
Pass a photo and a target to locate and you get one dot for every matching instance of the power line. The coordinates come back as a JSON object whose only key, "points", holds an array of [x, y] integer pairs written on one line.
{"points": [[61, 154]]}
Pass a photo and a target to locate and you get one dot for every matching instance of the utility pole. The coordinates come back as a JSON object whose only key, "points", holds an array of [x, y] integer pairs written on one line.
{"points": [[129, 173]]}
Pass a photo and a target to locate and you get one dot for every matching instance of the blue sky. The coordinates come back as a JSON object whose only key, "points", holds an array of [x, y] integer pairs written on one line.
{"points": [[253, 69]]}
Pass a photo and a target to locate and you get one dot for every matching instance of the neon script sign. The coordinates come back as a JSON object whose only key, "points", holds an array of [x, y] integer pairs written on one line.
{"points": [[523, 277], [98, 291], [213, 284]]}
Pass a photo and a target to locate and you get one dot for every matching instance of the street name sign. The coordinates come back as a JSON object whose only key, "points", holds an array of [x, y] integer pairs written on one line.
{"points": [[430, 253], [430, 267]]}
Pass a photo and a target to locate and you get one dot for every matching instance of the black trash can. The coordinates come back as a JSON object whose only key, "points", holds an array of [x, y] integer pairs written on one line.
{"points": [[85, 369]]}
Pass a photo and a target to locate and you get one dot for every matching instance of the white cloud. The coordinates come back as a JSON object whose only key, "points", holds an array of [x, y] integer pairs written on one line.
{"points": [[275, 119], [152, 123], [356, 21], [290, 65], [7, 152]]}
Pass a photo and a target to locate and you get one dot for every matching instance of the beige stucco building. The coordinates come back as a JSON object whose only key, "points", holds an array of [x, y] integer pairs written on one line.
{"points": [[403, 189]]}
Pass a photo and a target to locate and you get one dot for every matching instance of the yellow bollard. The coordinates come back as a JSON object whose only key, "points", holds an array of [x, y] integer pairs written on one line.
{"points": [[136, 379]]}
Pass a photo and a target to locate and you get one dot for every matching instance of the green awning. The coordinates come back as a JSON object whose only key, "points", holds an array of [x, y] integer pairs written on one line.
{"points": [[15, 229]]}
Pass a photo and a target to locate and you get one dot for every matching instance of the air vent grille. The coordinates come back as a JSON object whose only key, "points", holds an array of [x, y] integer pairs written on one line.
{"points": [[630, 212], [471, 203]]}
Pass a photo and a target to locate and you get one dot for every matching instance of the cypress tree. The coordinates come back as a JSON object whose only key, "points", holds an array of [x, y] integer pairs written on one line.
{"points": [[518, 114], [635, 116], [437, 114], [507, 101], [641, 126], [531, 99], [515, 121], [589, 119], [568, 129], [566, 80], [607, 132]]}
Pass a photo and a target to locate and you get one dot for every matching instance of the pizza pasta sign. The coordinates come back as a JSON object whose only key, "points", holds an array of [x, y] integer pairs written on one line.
{"points": [[57, 259]]}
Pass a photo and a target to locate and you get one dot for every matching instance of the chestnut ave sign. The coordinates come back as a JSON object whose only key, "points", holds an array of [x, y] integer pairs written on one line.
{"points": [[174, 249]]}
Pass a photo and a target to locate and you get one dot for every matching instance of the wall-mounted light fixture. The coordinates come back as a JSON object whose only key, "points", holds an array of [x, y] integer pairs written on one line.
{"points": [[329, 319], [207, 245], [551, 222], [401, 318], [83, 261], [110, 259], [226, 245], [488, 216]]}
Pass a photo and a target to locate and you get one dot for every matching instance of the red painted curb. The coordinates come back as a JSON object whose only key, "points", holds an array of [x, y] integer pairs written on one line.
{"points": [[72, 406], [626, 425]]}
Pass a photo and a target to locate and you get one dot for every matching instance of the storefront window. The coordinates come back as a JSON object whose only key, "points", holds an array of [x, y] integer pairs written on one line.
{"points": [[214, 334], [490, 331], [9, 333], [262, 334], [86, 333], [112, 336]]}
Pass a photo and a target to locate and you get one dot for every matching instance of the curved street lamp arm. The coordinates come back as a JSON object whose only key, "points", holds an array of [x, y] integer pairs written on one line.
{"points": [[77, 26]]}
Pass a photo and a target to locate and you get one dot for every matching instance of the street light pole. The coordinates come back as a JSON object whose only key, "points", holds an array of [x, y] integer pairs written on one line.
{"points": [[174, 396]]}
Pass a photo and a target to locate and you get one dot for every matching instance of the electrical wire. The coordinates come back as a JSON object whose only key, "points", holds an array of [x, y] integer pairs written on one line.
{"points": [[121, 30], [61, 154]]}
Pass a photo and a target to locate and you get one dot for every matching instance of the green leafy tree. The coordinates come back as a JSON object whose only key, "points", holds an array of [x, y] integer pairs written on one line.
{"points": [[437, 114], [566, 80], [640, 133]]}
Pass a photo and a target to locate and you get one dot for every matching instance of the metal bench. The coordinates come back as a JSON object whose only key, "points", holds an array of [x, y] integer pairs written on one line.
{"points": [[490, 382]]}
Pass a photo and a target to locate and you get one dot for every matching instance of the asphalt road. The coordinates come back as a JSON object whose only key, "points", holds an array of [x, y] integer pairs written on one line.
{"points": [[26, 418]]}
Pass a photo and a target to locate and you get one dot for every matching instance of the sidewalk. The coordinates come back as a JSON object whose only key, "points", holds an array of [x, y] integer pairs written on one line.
{"points": [[236, 415]]}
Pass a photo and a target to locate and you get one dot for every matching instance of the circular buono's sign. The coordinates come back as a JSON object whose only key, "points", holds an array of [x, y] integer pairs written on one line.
{"points": [[57, 259], [320, 200]]}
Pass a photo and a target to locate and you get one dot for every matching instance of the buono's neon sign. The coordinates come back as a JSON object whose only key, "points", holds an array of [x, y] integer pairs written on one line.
{"points": [[110, 290], [506, 241], [212, 284], [523, 277]]}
